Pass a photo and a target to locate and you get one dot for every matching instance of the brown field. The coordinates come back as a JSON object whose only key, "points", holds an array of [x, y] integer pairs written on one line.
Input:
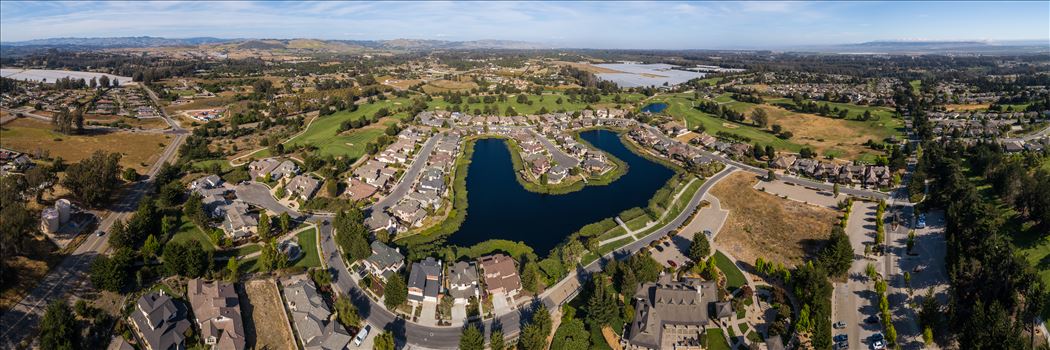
{"points": [[204, 103], [438, 86], [22, 273], [966, 107], [28, 135], [403, 84], [145, 123], [824, 134], [264, 315], [587, 67], [763, 225]]}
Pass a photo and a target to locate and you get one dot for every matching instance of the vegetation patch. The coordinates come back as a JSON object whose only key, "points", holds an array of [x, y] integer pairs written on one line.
{"points": [[139, 150]]}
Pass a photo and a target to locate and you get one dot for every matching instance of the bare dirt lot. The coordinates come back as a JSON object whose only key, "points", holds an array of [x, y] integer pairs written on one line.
{"points": [[264, 316], [763, 225]]}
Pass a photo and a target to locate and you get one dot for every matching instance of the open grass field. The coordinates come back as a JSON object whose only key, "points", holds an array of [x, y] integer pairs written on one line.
{"points": [[763, 225], [548, 101], [308, 243], [716, 340], [323, 132], [140, 150], [265, 324], [190, 232]]}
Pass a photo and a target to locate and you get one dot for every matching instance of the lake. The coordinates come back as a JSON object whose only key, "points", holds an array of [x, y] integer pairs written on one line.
{"points": [[499, 208], [655, 107]]}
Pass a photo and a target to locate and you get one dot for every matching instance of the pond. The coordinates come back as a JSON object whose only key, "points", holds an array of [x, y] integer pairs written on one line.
{"points": [[499, 208], [655, 107]]}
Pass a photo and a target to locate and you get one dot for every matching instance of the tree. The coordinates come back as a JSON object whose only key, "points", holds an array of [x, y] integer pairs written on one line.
{"points": [[232, 269], [532, 338], [542, 317], [770, 175], [628, 282], [530, 277], [384, 341], [58, 329], [396, 292], [571, 335], [264, 225], [835, 188], [346, 312], [837, 254], [472, 339], [93, 180], [151, 247], [332, 187], [496, 341], [601, 308], [350, 234], [286, 222], [700, 248], [112, 273], [759, 117], [185, 258]]}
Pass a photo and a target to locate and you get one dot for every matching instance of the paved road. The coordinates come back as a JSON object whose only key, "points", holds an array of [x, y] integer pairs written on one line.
{"points": [[402, 188], [556, 152], [20, 322]]}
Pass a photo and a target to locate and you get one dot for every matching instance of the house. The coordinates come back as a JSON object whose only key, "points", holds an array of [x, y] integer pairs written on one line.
{"points": [[463, 282], [384, 261], [557, 174], [238, 222], [160, 322], [670, 315], [311, 317], [501, 274], [262, 167], [303, 186], [783, 162], [359, 190], [218, 313], [595, 165], [207, 182], [285, 169], [424, 282]]}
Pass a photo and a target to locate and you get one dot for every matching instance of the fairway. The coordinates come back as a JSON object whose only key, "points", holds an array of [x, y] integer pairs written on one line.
{"points": [[322, 133]]}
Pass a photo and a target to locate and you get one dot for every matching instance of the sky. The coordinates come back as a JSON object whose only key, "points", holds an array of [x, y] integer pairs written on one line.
{"points": [[626, 25]]}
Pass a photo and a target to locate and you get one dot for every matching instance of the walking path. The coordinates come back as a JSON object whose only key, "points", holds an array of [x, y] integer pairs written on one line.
{"points": [[651, 223]]}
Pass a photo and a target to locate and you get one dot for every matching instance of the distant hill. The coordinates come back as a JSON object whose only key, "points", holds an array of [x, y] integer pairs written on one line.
{"points": [[116, 42], [938, 47]]}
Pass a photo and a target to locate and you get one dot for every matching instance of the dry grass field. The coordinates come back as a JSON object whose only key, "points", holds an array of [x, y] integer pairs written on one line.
{"points": [[844, 138], [439, 86], [29, 135], [265, 317], [966, 107], [763, 225], [22, 273], [587, 67]]}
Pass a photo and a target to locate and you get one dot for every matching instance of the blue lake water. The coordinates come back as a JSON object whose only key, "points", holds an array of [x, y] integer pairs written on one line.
{"points": [[655, 107], [499, 208]]}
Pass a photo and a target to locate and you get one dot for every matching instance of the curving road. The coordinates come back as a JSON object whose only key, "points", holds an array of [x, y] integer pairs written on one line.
{"points": [[20, 322]]}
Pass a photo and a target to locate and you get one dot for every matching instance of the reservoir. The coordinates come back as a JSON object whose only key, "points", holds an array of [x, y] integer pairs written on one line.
{"points": [[499, 208]]}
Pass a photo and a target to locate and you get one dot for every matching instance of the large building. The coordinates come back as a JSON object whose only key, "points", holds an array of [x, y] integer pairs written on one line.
{"points": [[218, 313], [670, 315], [160, 322]]}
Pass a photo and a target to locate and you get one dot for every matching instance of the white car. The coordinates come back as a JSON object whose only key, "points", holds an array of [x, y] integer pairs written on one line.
{"points": [[361, 335], [878, 345]]}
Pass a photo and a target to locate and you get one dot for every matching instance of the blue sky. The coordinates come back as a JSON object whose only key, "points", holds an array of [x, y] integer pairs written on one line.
{"points": [[659, 25]]}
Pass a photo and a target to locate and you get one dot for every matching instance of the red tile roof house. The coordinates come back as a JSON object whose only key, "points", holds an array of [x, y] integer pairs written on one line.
{"points": [[501, 274]]}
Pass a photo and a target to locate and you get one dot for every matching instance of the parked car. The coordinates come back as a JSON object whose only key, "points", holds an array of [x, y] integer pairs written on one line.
{"points": [[878, 345], [841, 338], [872, 319], [672, 263], [361, 335], [840, 325], [842, 346], [100, 233], [667, 243], [660, 248], [921, 222]]}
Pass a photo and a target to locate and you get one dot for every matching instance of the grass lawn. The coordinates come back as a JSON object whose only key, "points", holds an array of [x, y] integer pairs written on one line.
{"points": [[205, 165], [915, 85], [29, 135], [615, 232], [323, 131], [308, 243], [716, 340], [548, 101], [190, 232], [637, 223], [734, 278]]}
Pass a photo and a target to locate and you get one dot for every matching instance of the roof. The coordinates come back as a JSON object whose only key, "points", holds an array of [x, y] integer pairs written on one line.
{"points": [[659, 304], [218, 312], [462, 279], [161, 322], [383, 256], [311, 317], [426, 278], [501, 273]]}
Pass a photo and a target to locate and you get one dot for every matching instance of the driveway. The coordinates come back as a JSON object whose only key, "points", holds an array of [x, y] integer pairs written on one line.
{"points": [[801, 193], [459, 313], [710, 218], [499, 304], [259, 195], [428, 316]]}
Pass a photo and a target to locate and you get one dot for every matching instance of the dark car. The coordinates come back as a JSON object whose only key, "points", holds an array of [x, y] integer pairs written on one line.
{"points": [[841, 338], [660, 248], [872, 319], [672, 263]]}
